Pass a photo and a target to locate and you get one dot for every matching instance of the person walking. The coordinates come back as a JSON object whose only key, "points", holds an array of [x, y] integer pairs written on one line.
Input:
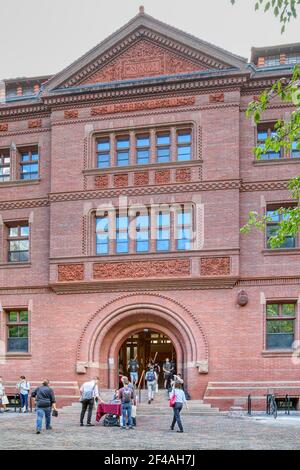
{"points": [[167, 369], [89, 393], [133, 367], [151, 379], [45, 403], [180, 400], [126, 395], [3, 398], [23, 388]]}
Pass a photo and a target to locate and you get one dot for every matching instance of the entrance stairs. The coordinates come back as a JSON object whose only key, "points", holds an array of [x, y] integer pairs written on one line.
{"points": [[159, 407]]}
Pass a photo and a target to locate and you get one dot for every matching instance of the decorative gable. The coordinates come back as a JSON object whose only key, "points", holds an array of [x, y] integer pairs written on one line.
{"points": [[144, 59]]}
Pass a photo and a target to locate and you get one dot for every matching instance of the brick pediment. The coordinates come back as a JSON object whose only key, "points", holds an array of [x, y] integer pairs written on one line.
{"points": [[144, 59]]}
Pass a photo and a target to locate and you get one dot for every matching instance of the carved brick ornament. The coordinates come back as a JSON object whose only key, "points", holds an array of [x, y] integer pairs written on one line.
{"points": [[215, 266], [70, 272]]}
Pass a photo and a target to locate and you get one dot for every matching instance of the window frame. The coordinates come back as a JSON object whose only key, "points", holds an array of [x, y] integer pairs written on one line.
{"points": [[124, 150], [163, 133], [267, 126], [142, 148], [184, 131], [5, 153], [30, 150], [18, 323], [19, 225], [274, 207], [103, 137], [278, 318]]}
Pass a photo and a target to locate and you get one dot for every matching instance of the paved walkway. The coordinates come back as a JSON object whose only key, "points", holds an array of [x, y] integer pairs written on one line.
{"points": [[207, 432]]}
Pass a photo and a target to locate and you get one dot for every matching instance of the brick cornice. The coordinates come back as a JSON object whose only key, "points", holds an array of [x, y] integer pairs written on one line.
{"points": [[24, 204], [249, 186], [14, 113], [268, 281]]}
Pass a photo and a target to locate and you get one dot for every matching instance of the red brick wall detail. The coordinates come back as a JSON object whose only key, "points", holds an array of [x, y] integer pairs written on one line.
{"points": [[183, 175], [101, 181], [162, 177], [142, 105], [144, 59], [121, 181], [70, 272], [215, 266], [71, 114], [216, 98], [3, 127], [141, 178], [142, 269], [33, 123]]}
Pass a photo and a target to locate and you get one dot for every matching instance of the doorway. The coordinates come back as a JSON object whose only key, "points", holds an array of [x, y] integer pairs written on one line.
{"points": [[146, 345]]}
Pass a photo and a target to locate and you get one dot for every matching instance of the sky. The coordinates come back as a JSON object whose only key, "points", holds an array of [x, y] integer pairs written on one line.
{"points": [[42, 37]]}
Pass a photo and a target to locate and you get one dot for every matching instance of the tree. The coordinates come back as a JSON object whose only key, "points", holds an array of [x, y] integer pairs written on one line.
{"points": [[287, 132]]}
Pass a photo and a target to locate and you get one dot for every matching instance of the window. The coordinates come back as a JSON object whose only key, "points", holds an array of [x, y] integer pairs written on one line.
{"points": [[122, 242], [163, 222], [17, 331], [4, 165], [280, 325], [295, 152], [273, 227], [292, 59], [123, 147], [18, 243], [29, 164], [103, 153], [271, 61], [183, 228], [142, 149], [102, 235], [263, 132], [142, 232], [163, 146], [184, 141]]}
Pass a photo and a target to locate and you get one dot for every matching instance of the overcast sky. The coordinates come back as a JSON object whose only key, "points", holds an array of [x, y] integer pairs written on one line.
{"points": [[40, 37]]}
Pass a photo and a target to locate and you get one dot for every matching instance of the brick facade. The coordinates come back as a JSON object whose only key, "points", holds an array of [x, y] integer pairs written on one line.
{"points": [[82, 306]]}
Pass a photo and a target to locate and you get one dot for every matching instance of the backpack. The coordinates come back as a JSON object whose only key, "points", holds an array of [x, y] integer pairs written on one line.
{"points": [[111, 420], [126, 395], [150, 376]]}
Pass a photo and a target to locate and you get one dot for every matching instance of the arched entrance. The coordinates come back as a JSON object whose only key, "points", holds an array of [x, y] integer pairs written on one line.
{"points": [[147, 345]]}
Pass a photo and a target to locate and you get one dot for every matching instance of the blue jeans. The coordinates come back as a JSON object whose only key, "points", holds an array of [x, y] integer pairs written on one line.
{"points": [[40, 413], [176, 418], [24, 400], [126, 409], [134, 377]]}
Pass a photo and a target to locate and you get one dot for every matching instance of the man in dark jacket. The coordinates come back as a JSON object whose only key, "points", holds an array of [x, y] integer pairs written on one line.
{"points": [[45, 402]]}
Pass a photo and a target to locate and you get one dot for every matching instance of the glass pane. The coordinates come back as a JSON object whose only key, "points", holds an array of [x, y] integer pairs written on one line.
{"points": [[184, 218], [183, 244], [163, 139], [13, 331], [102, 248], [23, 331], [101, 224], [272, 310], [142, 246], [183, 138], [163, 155], [13, 231], [288, 310], [123, 143], [103, 161], [143, 141], [24, 231], [17, 345], [13, 317], [24, 316], [122, 247], [34, 156], [25, 157], [280, 341], [162, 245], [275, 217], [123, 158], [103, 145], [24, 256], [143, 156]]}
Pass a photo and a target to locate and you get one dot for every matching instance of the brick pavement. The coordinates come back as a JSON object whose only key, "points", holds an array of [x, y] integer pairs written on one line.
{"points": [[205, 432]]}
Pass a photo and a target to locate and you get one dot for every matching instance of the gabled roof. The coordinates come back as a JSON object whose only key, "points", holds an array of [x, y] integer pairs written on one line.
{"points": [[142, 31]]}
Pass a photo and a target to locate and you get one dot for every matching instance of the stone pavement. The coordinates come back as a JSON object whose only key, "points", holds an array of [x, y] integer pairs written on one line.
{"points": [[205, 432]]}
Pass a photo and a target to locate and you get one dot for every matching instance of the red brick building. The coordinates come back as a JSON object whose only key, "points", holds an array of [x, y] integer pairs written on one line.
{"points": [[158, 116]]}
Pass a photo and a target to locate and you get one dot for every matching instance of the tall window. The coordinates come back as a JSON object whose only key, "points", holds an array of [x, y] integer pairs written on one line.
{"points": [[102, 235], [184, 145], [4, 165], [184, 228], [142, 232], [163, 147], [122, 239], [263, 132], [292, 59], [29, 164], [163, 223], [280, 325], [142, 149], [18, 243], [17, 331], [272, 60], [295, 153], [273, 227], [123, 147], [103, 153]]}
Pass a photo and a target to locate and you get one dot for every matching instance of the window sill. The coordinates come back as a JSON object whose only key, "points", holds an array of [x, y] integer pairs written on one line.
{"points": [[280, 161], [136, 167], [6, 184], [277, 352], [17, 356], [281, 251], [14, 265]]}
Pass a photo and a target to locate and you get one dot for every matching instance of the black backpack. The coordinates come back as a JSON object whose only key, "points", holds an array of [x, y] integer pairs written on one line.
{"points": [[111, 420]]}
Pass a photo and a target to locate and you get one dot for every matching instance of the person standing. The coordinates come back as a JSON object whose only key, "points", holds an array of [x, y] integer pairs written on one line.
{"points": [[133, 367], [45, 403], [23, 388], [167, 368], [89, 393], [151, 378], [180, 400], [157, 371], [126, 396], [3, 398]]}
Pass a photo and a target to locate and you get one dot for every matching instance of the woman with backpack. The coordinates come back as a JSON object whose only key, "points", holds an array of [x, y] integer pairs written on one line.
{"points": [[177, 400], [126, 395], [23, 388], [151, 378]]}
